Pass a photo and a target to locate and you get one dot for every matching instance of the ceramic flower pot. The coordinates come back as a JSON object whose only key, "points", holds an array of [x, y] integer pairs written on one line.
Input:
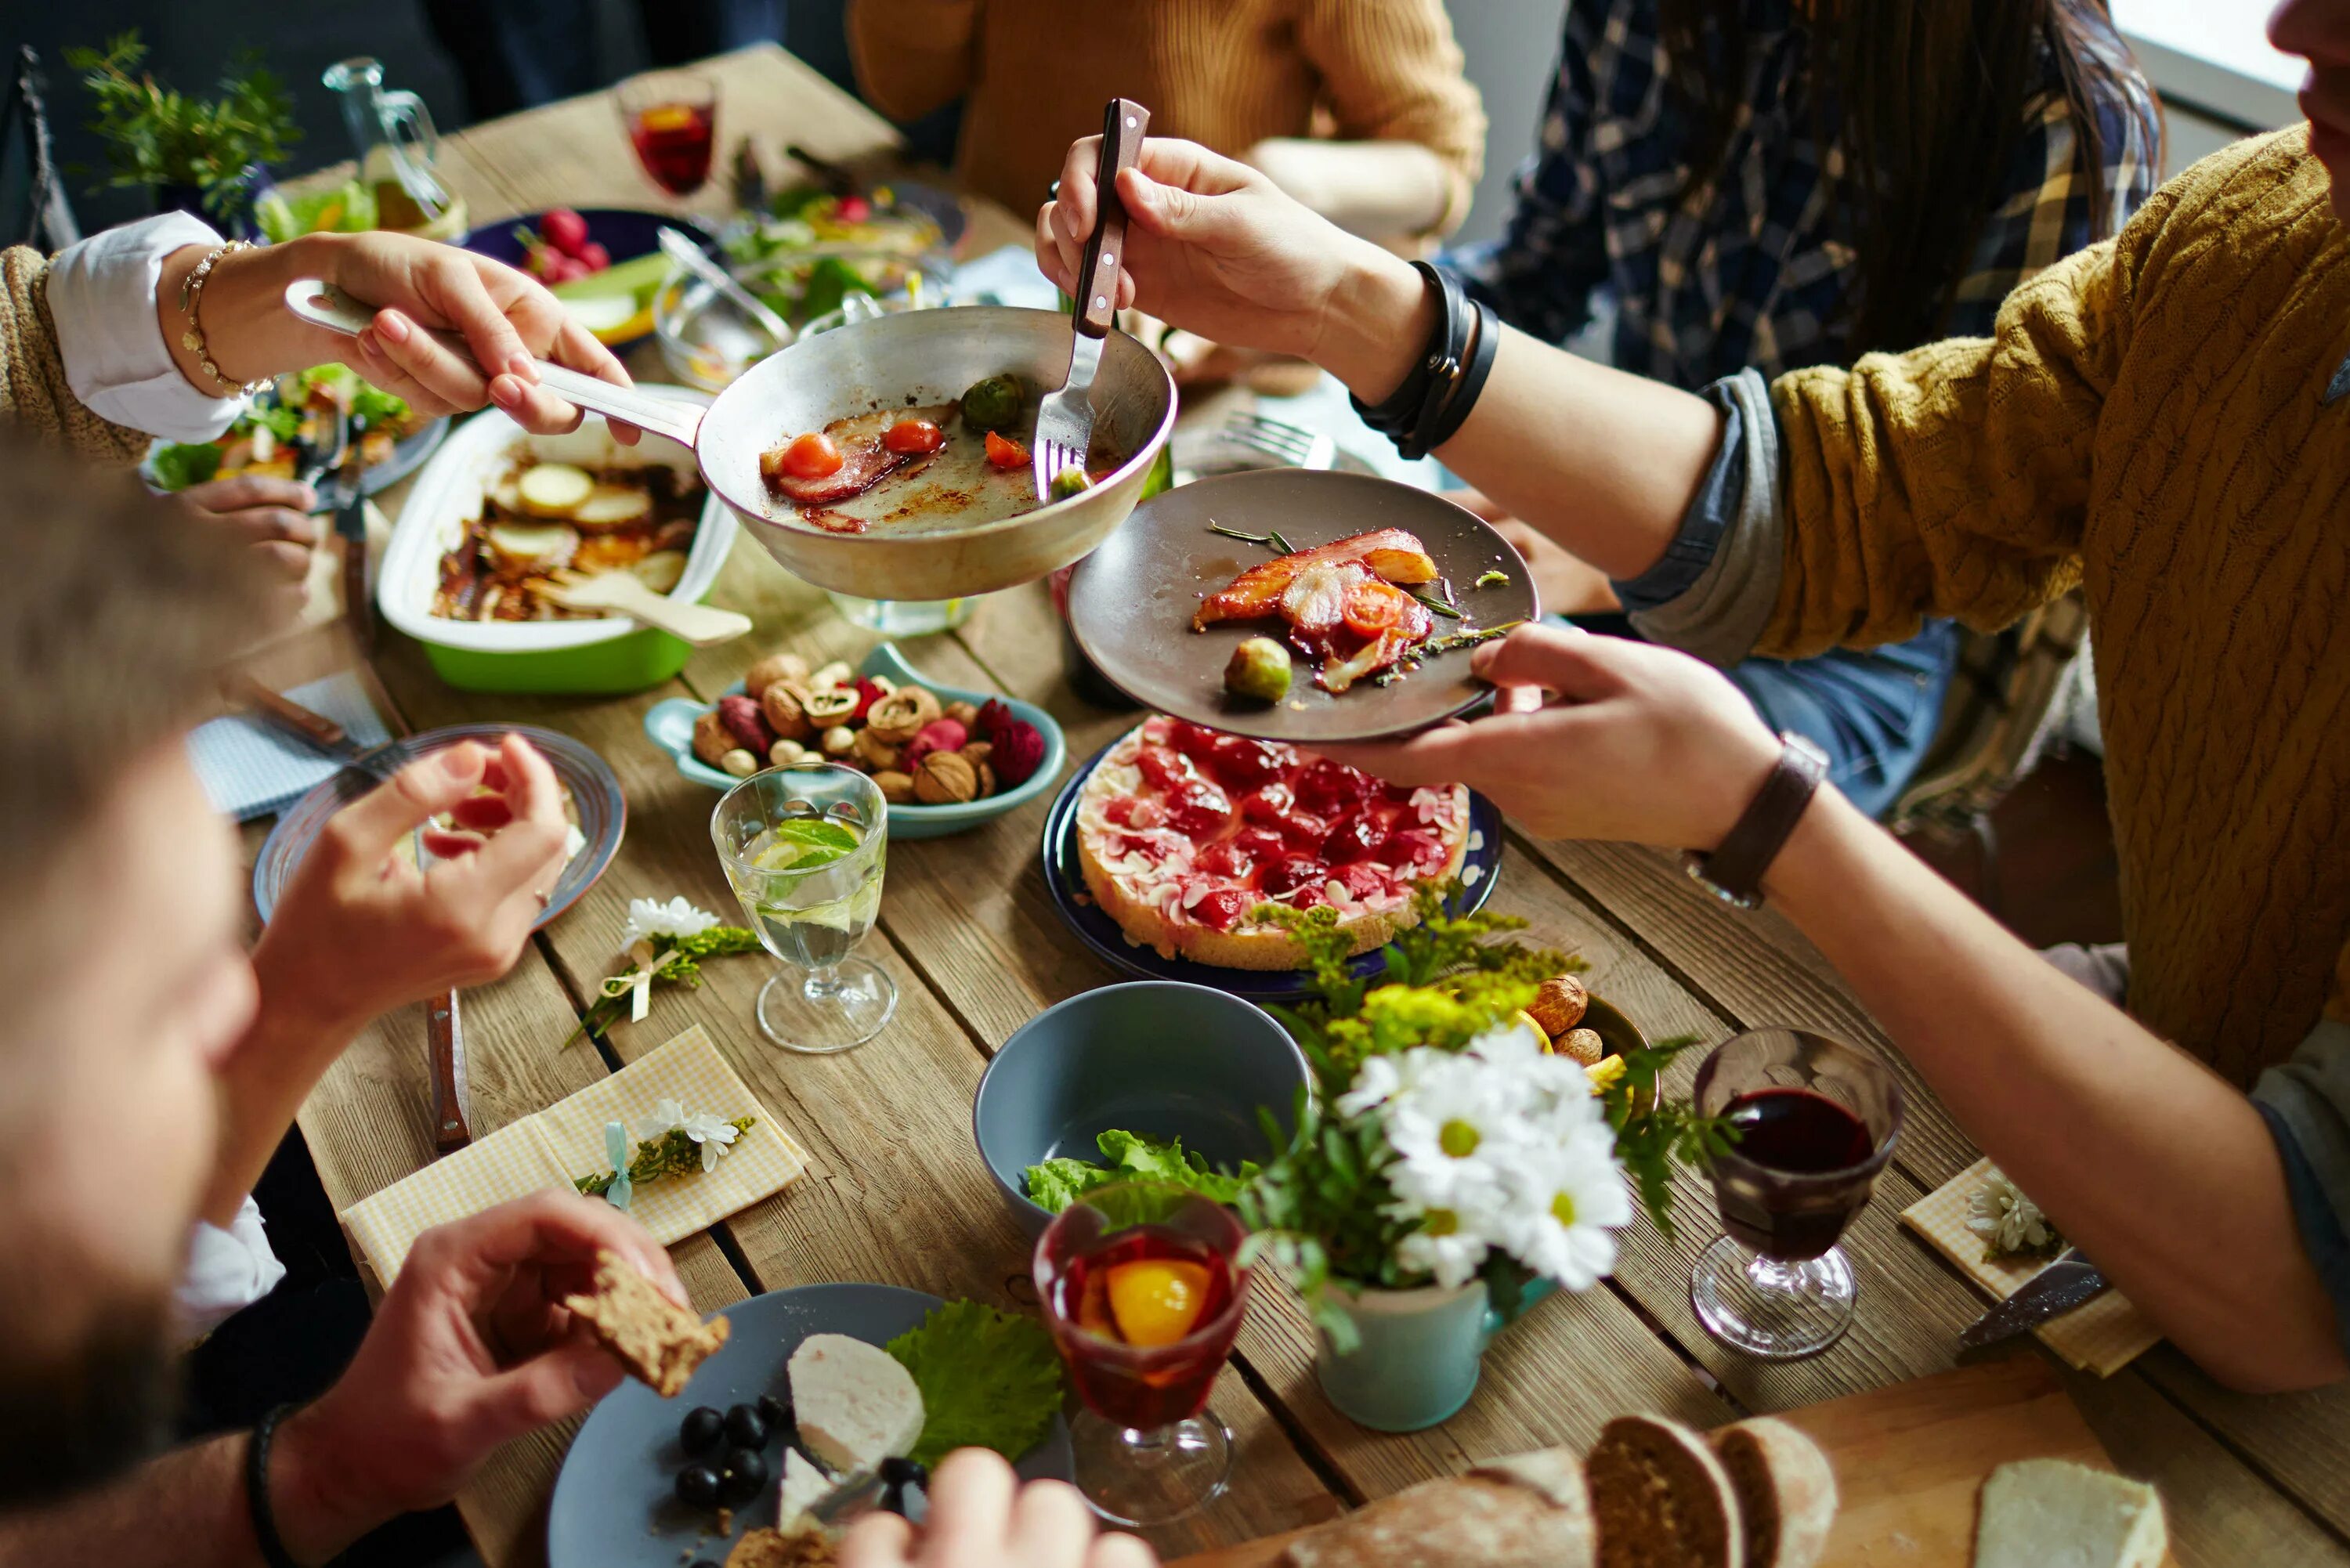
{"points": [[1420, 1355]]}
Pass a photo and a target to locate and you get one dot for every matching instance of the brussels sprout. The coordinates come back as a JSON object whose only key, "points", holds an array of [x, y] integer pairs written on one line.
{"points": [[1069, 481], [995, 403], [1259, 669]]}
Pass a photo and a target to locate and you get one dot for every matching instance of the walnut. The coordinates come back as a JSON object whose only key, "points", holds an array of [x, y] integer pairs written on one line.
{"points": [[830, 705], [986, 782], [739, 762], [775, 667], [875, 752], [784, 706], [1559, 1004], [711, 739], [966, 714], [1581, 1044], [946, 778], [897, 788], [900, 716], [977, 752], [839, 741]]}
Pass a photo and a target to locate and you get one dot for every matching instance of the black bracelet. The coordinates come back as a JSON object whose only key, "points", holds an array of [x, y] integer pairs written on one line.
{"points": [[256, 1490], [1446, 424], [1393, 414]]}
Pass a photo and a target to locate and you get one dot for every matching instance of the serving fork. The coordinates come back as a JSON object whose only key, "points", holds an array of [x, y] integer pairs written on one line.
{"points": [[1064, 420]]}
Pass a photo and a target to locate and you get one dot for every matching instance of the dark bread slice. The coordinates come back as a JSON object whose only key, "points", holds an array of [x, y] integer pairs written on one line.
{"points": [[1528, 1512], [1785, 1490], [657, 1341], [1661, 1499]]}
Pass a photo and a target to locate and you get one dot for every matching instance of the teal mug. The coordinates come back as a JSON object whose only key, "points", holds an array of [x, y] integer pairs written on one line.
{"points": [[1420, 1355]]}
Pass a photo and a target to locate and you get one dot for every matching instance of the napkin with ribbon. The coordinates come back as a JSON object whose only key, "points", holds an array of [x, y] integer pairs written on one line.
{"points": [[566, 1141], [2102, 1336]]}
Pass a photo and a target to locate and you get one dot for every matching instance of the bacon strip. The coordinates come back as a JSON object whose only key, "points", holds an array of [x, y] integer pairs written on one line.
{"points": [[863, 466], [1338, 674], [1391, 554]]}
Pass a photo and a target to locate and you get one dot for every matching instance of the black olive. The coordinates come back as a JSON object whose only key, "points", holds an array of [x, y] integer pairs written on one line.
{"points": [[777, 1413], [698, 1486], [745, 1428], [699, 1431], [743, 1476], [702, 1562]]}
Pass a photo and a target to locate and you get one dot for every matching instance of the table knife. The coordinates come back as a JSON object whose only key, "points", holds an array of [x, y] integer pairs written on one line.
{"points": [[350, 524], [364, 767], [2055, 1290], [444, 1042]]}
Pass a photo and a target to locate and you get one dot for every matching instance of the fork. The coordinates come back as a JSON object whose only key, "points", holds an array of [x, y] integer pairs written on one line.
{"points": [[1064, 420], [1293, 444]]}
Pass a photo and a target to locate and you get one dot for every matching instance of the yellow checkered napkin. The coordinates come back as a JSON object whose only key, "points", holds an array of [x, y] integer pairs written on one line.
{"points": [[566, 1141], [2103, 1335]]}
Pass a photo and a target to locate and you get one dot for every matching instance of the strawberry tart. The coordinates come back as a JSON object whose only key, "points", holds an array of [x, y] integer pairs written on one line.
{"points": [[1183, 831]]}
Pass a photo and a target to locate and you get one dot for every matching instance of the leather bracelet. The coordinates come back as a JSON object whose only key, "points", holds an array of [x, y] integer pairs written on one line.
{"points": [[1439, 359], [1733, 873], [257, 1491], [1487, 342]]}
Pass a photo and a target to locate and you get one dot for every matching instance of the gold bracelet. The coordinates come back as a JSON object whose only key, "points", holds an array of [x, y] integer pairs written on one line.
{"points": [[192, 298]]}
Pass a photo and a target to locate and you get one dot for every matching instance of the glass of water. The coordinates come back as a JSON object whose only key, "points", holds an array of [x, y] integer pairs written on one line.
{"points": [[804, 848]]}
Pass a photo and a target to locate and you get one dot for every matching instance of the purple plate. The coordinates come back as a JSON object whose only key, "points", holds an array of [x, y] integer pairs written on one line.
{"points": [[625, 232]]}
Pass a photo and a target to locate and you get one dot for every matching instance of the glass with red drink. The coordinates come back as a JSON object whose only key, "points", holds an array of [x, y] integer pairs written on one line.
{"points": [[1144, 1295], [671, 119], [1814, 1122]]}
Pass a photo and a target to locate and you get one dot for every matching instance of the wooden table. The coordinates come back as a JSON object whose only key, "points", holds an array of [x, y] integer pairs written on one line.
{"points": [[895, 1193]]}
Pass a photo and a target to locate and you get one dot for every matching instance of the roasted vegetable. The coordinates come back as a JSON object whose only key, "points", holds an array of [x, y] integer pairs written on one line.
{"points": [[995, 403]]}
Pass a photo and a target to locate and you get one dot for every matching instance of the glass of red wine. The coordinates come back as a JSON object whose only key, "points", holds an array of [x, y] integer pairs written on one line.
{"points": [[1814, 1122], [671, 119], [1144, 1295]]}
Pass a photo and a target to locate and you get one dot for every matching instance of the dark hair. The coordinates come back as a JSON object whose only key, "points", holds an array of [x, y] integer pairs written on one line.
{"points": [[117, 610], [1932, 99]]}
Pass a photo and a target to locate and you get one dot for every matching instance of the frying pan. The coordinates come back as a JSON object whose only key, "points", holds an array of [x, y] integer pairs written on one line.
{"points": [[914, 357]]}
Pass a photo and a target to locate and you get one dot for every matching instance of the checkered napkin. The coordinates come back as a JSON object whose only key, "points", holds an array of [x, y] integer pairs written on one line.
{"points": [[251, 768], [2102, 1336], [566, 1141]]}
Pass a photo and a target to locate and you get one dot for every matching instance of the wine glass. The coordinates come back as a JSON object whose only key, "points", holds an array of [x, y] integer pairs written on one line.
{"points": [[804, 848], [1143, 1292], [671, 119], [1815, 1122]]}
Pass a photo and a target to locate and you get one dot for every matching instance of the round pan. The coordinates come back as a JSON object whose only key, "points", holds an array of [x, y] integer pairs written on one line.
{"points": [[1130, 604]]}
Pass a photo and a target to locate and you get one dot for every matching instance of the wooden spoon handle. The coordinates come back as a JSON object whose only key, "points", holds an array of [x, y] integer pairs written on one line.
{"points": [[1123, 124], [700, 624]]}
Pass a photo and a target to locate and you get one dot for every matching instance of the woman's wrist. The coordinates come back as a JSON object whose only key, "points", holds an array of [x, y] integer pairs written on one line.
{"points": [[241, 321], [1375, 322]]}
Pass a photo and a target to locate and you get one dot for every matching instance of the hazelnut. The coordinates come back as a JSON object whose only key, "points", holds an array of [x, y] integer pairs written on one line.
{"points": [[874, 752], [897, 788], [830, 705], [1559, 1004], [783, 704], [986, 782], [711, 739], [775, 667], [839, 741], [964, 713], [739, 762], [901, 715], [784, 754], [945, 778], [1583, 1045], [836, 673]]}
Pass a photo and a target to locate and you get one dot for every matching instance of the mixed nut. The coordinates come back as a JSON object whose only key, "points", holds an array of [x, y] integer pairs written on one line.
{"points": [[919, 749]]}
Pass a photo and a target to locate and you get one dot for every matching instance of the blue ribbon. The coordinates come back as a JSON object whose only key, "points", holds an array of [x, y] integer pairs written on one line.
{"points": [[615, 1149]]}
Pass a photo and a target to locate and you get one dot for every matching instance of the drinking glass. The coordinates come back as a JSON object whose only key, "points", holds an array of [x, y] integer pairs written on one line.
{"points": [[1143, 1292], [1817, 1120], [804, 848], [671, 119]]}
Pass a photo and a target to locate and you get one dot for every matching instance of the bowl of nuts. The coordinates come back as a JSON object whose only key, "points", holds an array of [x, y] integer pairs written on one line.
{"points": [[946, 758]]}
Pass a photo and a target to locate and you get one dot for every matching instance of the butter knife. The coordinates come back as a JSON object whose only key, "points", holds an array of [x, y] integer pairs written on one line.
{"points": [[2054, 1291], [445, 1044]]}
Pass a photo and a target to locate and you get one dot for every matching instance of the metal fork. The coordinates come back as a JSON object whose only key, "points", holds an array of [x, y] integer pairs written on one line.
{"points": [[1064, 420], [1293, 444]]}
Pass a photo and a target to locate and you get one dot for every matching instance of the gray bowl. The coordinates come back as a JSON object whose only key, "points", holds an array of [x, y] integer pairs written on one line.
{"points": [[1156, 1056]]}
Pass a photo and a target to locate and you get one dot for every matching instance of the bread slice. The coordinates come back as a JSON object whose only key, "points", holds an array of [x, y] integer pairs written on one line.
{"points": [[657, 1341], [2054, 1513], [1786, 1489], [1529, 1512], [1661, 1499], [797, 1548], [856, 1405]]}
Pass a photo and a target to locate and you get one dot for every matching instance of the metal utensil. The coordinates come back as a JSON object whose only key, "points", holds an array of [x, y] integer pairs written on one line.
{"points": [[682, 250], [364, 767], [2054, 1291], [1064, 420], [445, 1047], [350, 527], [1293, 444]]}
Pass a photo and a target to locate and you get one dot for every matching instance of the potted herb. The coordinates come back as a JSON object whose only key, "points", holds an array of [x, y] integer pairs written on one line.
{"points": [[194, 154], [1449, 1171]]}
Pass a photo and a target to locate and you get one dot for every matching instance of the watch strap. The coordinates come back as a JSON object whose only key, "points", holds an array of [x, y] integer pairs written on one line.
{"points": [[1735, 870]]}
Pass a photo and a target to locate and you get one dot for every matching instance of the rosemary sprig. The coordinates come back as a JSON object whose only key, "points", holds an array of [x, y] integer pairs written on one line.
{"points": [[1271, 539], [1439, 605], [1435, 646], [671, 1154]]}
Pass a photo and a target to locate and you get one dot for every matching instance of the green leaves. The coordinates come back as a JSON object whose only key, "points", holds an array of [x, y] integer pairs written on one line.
{"points": [[675, 959], [1132, 1156], [989, 1379], [155, 136], [183, 464]]}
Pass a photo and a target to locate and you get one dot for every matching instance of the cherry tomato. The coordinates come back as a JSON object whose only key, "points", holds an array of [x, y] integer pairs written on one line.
{"points": [[1372, 607], [852, 209], [1004, 453], [813, 456], [912, 438]]}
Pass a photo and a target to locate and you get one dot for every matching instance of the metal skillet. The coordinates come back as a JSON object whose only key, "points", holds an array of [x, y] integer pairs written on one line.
{"points": [[948, 530]]}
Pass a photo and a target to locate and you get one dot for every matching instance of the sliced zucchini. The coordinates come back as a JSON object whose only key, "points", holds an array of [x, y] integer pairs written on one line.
{"points": [[613, 507], [553, 489], [661, 570], [540, 546]]}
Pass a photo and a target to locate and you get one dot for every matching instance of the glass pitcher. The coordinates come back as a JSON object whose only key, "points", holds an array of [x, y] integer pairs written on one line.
{"points": [[393, 136]]}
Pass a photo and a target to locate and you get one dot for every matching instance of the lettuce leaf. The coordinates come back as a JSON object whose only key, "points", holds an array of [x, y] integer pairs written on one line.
{"points": [[181, 464], [283, 423], [989, 1379], [1133, 1156], [376, 409]]}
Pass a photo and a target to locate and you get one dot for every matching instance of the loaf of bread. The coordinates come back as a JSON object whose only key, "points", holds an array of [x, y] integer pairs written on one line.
{"points": [[1527, 1511], [1661, 1499], [1786, 1492]]}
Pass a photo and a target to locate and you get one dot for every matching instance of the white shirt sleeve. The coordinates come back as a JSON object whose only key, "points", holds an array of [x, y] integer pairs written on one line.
{"points": [[102, 297], [228, 1270]]}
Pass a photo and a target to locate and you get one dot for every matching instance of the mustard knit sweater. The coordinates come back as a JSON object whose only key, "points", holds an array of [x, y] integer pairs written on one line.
{"points": [[2148, 424]]}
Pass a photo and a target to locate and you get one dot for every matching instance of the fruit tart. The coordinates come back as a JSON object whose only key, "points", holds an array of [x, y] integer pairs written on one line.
{"points": [[1183, 831]]}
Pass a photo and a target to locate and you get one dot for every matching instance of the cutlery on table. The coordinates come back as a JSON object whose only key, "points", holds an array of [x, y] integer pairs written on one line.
{"points": [[364, 767], [2054, 1291], [1064, 420], [1292, 444], [444, 1044], [350, 525], [625, 593], [681, 249]]}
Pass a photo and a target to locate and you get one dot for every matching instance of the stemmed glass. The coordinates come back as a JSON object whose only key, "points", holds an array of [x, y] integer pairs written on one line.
{"points": [[671, 119], [1816, 1121], [804, 848], [1144, 1294]]}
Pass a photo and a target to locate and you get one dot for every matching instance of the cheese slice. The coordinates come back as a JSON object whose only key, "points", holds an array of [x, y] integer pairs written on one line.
{"points": [[803, 1487], [2053, 1513], [856, 1405]]}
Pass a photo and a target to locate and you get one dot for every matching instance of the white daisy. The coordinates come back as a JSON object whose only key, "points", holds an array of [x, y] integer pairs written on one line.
{"points": [[1452, 1131], [2007, 1221], [668, 1115], [712, 1133], [1565, 1205], [649, 917], [1383, 1076], [1443, 1248]]}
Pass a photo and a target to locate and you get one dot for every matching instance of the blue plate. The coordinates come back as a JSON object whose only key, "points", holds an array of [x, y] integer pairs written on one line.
{"points": [[596, 797], [670, 726], [614, 1505], [1065, 878], [625, 232]]}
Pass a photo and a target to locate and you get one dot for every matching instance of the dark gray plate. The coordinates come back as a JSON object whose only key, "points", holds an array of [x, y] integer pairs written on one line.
{"points": [[615, 1506], [1131, 601]]}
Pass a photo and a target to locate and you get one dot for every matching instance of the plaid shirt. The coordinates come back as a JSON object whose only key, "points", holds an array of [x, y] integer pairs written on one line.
{"points": [[1755, 271]]}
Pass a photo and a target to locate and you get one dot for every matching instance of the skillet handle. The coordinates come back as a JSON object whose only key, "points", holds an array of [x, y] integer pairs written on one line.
{"points": [[323, 305], [1123, 124]]}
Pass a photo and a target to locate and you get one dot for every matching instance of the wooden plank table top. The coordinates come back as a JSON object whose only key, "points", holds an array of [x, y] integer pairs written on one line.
{"points": [[896, 1194]]}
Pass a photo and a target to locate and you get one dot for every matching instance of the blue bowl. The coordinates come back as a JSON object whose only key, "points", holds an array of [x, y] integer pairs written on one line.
{"points": [[1158, 1057], [669, 724]]}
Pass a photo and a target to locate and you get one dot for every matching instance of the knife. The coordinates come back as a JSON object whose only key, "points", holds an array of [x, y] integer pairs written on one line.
{"points": [[364, 767], [2055, 1290], [350, 524], [446, 1043]]}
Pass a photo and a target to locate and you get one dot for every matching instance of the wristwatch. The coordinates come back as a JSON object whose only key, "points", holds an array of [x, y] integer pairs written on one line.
{"points": [[1733, 872]]}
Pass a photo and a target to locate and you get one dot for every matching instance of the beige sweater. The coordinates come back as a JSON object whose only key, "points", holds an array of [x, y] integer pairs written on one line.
{"points": [[33, 389]]}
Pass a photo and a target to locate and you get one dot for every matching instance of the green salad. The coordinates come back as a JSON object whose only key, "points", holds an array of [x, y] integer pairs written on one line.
{"points": [[989, 1379], [1133, 1156], [278, 419]]}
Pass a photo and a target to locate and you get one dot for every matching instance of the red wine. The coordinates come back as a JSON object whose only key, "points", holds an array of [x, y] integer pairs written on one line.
{"points": [[1145, 1383], [673, 141], [1788, 1135], [1798, 1131]]}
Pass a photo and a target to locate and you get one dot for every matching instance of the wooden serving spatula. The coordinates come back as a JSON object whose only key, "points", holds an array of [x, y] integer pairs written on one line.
{"points": [[624, 593]]}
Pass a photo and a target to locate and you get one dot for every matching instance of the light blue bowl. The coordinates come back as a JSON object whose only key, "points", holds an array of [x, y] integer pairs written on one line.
{"points": [[1158, 1057], [670, 726]]}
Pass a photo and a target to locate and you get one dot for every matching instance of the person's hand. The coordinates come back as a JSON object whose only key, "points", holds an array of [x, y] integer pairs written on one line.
{"points": [[360, 930], [470, 1348], [1628, 741], [982, 1517], [273, 516]]}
